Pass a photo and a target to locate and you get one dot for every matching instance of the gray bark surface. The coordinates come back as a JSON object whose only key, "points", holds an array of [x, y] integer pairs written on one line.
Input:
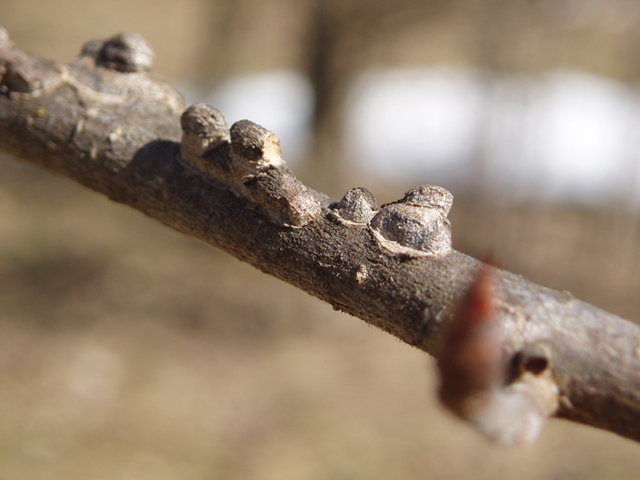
{"points": [[104, 122]]}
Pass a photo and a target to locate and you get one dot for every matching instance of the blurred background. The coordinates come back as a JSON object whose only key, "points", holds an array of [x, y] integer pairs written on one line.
{"points": [[128, 351]]}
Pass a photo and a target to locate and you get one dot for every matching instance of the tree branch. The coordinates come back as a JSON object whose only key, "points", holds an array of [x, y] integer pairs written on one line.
{"points": [[512, 349]]}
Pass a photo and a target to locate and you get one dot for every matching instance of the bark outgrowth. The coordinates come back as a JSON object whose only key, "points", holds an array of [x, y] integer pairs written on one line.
{"points": [[123, 133], [417, 225], [245, 159]]}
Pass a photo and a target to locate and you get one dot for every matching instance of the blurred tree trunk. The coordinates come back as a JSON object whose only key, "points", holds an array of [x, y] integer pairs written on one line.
{"points": [[217, 60], [342, 43], [331, 66]]}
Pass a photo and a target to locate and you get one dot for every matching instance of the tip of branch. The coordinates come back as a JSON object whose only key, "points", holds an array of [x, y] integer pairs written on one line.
{"points": [[474, 371]]}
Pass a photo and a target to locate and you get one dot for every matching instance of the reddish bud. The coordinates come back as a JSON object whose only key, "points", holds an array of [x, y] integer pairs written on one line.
{"points": [[470, 359]]}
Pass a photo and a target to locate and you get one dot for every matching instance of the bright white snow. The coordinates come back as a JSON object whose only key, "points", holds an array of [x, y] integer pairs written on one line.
{"points": [[565, 135]]}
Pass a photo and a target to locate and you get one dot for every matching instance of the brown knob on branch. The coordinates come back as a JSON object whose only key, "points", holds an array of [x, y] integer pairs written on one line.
{"points": [[127, 52], [416, 225], [204, 130], [357, 206]]}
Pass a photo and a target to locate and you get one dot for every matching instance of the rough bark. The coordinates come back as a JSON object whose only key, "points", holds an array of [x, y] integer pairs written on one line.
{"points": [[105, 122]]}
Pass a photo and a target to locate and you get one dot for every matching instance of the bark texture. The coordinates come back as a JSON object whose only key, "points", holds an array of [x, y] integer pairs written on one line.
{"points": [[104, 122]]}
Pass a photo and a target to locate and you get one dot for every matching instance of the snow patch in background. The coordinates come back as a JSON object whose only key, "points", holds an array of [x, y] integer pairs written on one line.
{"points": [[280, 101], [404, 122], [579, 135], [562, 136]]}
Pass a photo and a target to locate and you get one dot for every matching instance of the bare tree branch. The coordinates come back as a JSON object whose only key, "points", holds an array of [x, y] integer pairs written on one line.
{"points": [[515, 352]]}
